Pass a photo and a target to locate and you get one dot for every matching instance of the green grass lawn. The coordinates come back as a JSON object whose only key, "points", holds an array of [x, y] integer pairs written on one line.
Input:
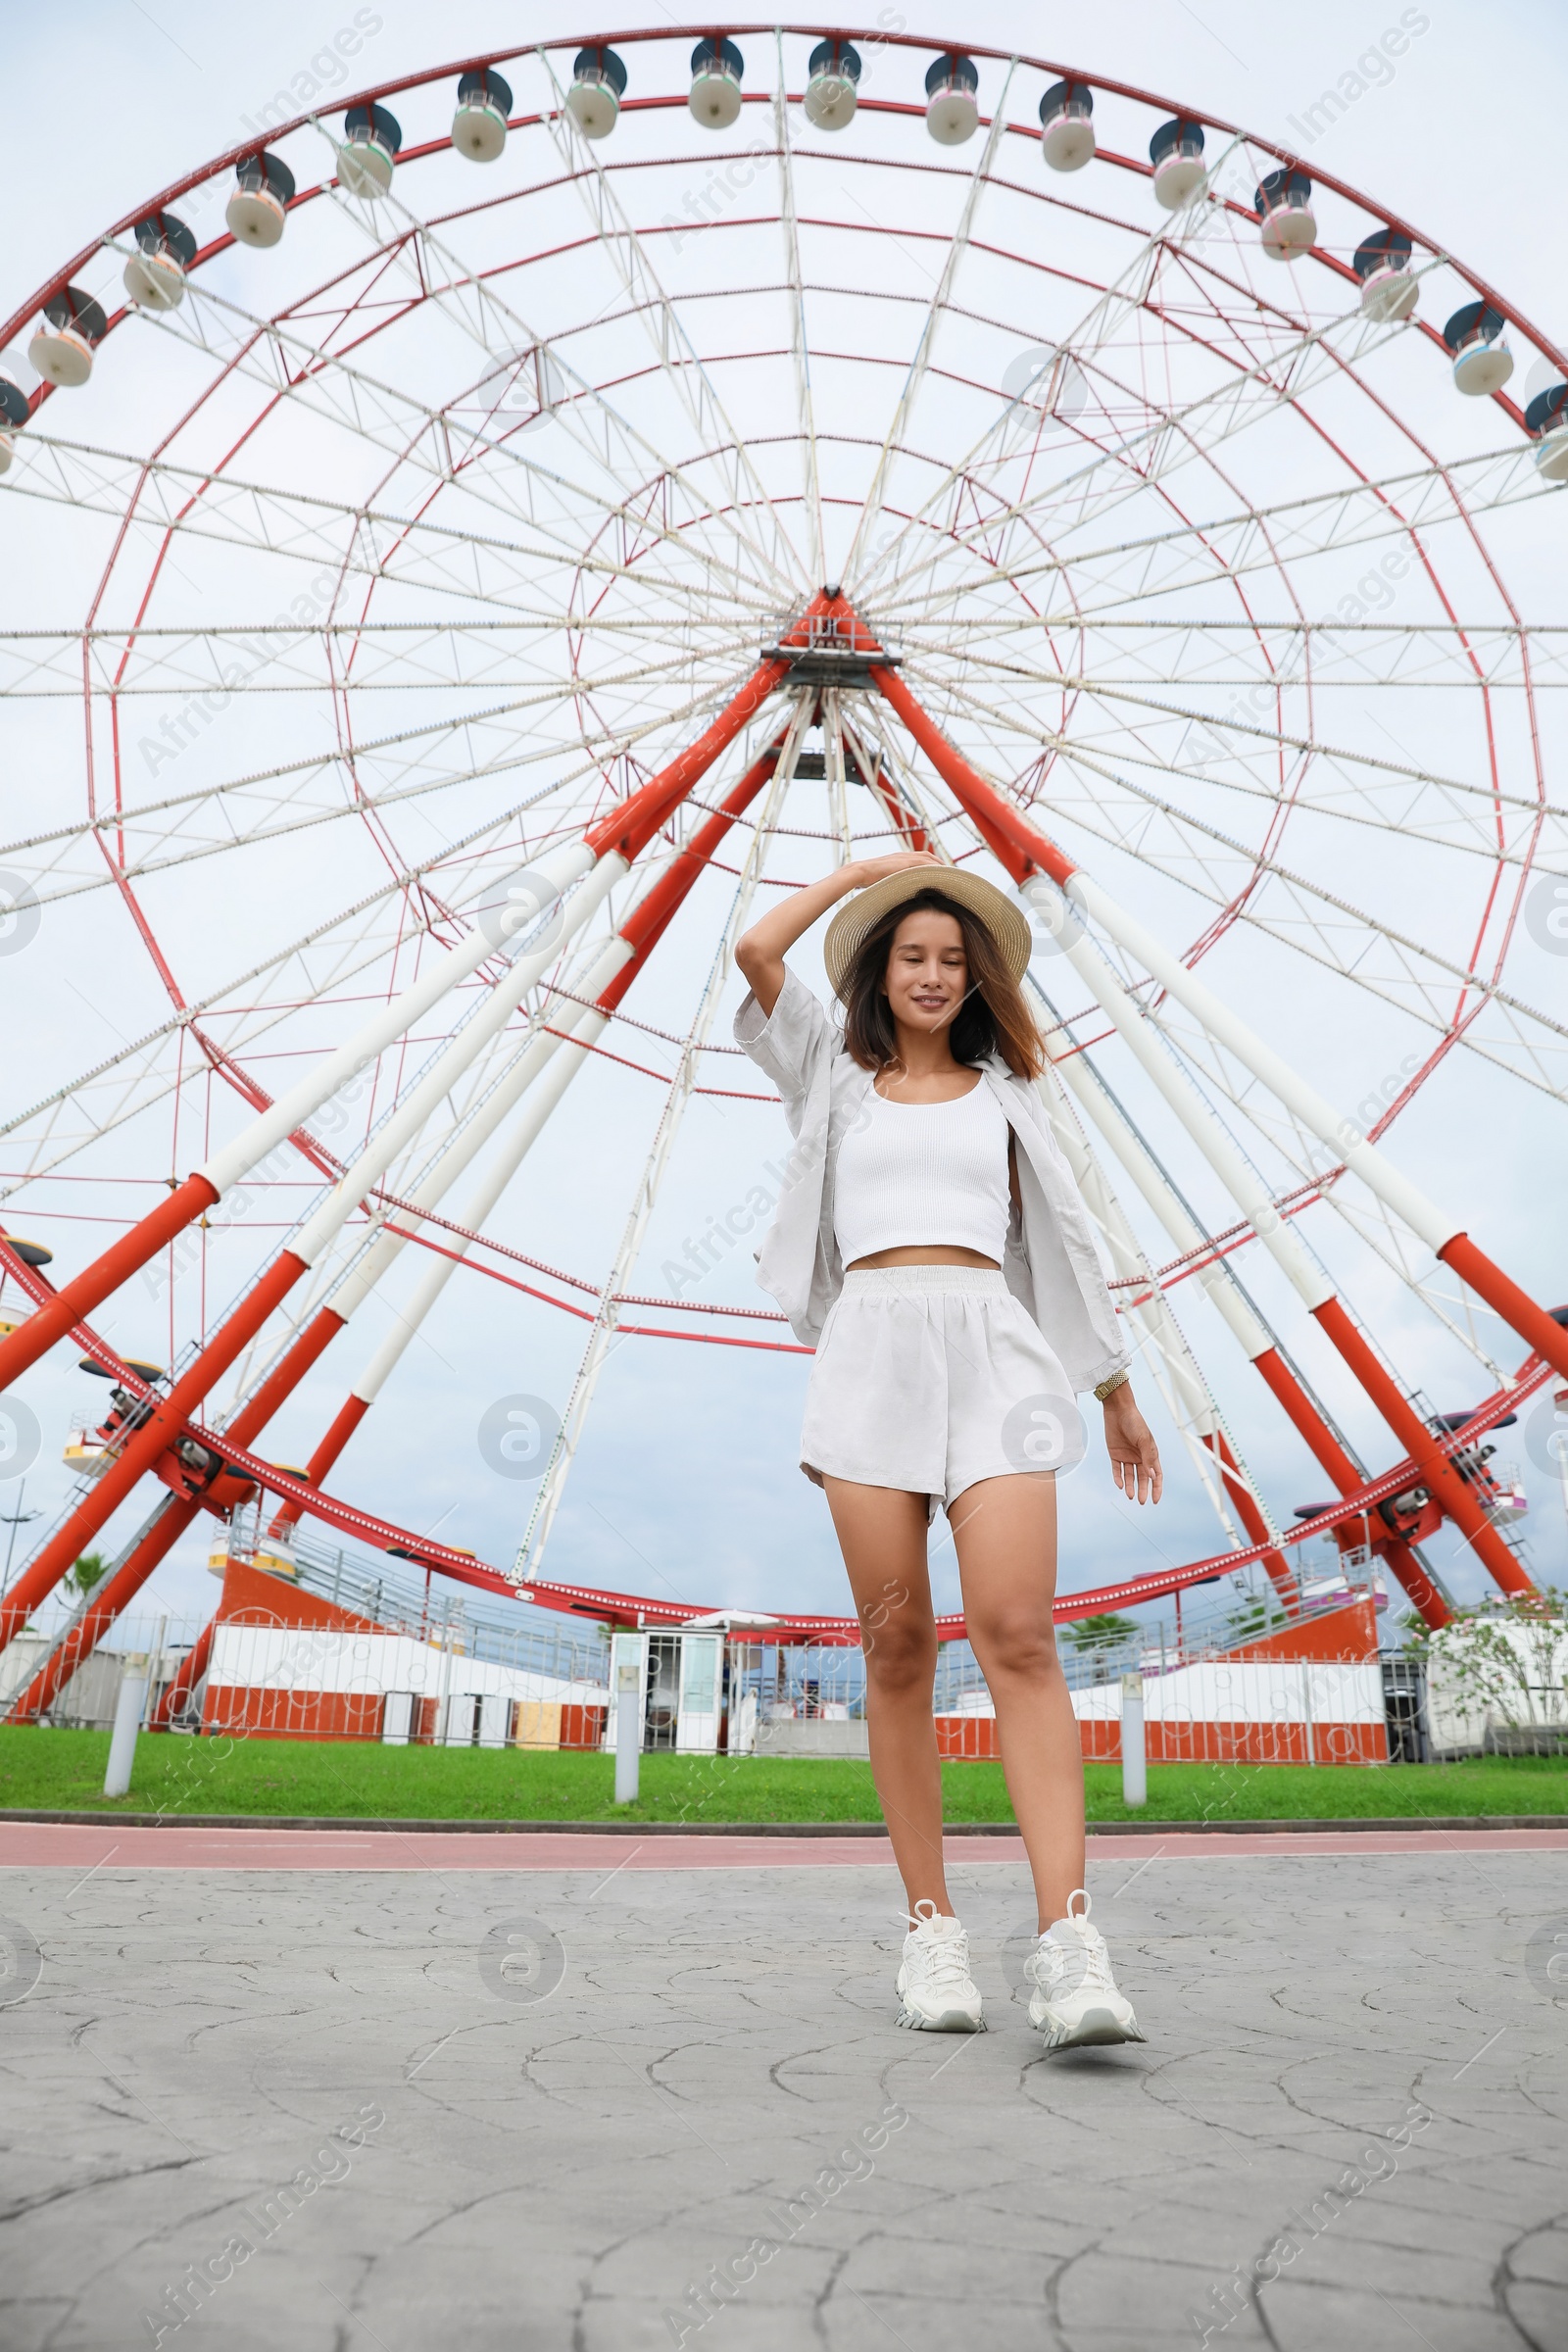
{"points": [[366, 1782]]}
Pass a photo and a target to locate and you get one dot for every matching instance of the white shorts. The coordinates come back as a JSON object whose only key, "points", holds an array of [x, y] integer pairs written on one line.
{"points": [[929, 1378]]}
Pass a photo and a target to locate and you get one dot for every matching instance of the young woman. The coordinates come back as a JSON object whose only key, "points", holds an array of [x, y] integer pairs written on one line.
{"points": [[930, 1244]]}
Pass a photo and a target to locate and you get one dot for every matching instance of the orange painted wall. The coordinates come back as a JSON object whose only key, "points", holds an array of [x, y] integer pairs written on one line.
{"points": [[251, 1597], [1347, 1633]]}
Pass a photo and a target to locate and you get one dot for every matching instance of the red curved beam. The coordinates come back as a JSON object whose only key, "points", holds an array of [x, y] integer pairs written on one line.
{"points": [[873, 37]]}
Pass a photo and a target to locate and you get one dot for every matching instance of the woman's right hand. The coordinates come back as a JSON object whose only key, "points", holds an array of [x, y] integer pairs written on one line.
{"points": [[761, 951], [864, 871]]}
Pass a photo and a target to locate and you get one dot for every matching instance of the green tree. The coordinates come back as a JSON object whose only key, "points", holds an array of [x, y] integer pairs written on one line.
{"points": [[1503, 1663], [88, 1572], [1100, 1632], [1256, 1616]]}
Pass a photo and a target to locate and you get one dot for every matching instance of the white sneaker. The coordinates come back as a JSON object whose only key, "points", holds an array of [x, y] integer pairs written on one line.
{"points": [[936, 1993], [1075, 2001]]}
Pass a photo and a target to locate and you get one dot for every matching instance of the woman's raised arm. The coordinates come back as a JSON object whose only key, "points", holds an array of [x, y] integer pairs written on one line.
{"points": [[761, 950]]}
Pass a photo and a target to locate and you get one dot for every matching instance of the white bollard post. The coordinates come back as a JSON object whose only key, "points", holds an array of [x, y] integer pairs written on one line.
{"points": [[628, 1730], [129, 1708], [1134, 1769]]}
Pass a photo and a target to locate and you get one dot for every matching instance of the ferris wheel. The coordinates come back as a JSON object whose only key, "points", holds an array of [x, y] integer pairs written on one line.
{"points": [[538, 507]]}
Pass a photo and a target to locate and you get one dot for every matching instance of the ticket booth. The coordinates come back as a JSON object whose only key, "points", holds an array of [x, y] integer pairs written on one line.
{"points": [[681, 1688]]}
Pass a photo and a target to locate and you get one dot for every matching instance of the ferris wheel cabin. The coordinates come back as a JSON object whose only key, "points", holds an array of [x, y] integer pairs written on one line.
{"points": [[598, 87], [264, 188], [833, 73], [480, 125], [1389, 287], [716, 91], [62, 348], [371, 137], [951, 106], [155, 275], [14, 413], [1547, 419], [1176, 151], [1283, 203], [1481, 359], [1067, 132]]}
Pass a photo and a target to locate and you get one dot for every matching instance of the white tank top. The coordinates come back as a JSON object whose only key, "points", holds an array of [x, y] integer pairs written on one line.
{"points": [[927, 1175]]}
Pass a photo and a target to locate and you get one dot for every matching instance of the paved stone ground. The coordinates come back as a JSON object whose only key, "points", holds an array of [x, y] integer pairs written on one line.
{"points": [[567, 2097]]}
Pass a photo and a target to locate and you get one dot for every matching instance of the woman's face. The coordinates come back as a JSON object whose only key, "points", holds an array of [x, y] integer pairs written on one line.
{"points": [[928, 972]]}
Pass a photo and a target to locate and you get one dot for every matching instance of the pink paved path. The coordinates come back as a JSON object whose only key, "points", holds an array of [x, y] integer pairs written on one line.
{"points": [[61, 1845]]}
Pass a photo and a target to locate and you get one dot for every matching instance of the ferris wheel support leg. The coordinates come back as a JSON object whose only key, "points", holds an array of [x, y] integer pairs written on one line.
{"points": [[1252, 1518], [1256, 1342], [344, 1423], [82, 1638], [160, 1538], [123, 1259], [1447, 1488], [1333, 1459], [624, 832], [1539, 1326], [640, 932], [1197, 1412], [1023, 851]]}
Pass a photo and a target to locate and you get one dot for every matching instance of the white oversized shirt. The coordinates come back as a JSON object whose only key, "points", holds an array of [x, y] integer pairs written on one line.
{"points": [[1050, 1264]]}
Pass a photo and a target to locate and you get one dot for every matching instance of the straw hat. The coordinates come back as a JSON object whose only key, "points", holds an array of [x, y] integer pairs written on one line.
{"points": [[847, 933]]}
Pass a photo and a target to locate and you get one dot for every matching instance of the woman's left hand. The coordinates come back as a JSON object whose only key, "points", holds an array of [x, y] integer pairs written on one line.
{"points": [[1130, 1443]]}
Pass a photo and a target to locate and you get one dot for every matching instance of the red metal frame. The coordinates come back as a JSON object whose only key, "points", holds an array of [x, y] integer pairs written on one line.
{"points": [[163, 1427], [625, 831], [875, 38]]}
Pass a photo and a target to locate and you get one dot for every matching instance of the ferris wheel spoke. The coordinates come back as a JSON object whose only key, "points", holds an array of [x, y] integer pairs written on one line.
{"points": [[1155, 455], [1219, 737], [1245, 541], [1176, 440], [477, 307], [672, 347], [369, 542], [510, 741], [287, 973], [1191, 647], [1328, 930], [1408, 979], [441, 454], [601, 1340], [800, 340], [388, 656], [919, 364], [1015, 431]]}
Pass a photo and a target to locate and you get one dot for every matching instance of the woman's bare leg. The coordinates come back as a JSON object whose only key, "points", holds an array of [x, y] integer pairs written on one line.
{"points": [[1004, 1532], [882, 1534]]}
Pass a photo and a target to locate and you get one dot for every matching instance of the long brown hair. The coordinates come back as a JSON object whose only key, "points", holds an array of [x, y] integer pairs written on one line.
{"points": [[993, 1017]]}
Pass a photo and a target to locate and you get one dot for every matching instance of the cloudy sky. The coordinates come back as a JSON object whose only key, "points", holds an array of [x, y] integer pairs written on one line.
{"points": [[686, 1482]]}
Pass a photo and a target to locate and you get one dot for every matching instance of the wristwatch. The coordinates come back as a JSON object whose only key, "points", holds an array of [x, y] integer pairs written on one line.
{"points": [[1108, 1388]]}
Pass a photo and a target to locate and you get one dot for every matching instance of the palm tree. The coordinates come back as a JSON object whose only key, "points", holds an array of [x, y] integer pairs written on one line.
{"points": [[88, 1572], [1100, 1632]]}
